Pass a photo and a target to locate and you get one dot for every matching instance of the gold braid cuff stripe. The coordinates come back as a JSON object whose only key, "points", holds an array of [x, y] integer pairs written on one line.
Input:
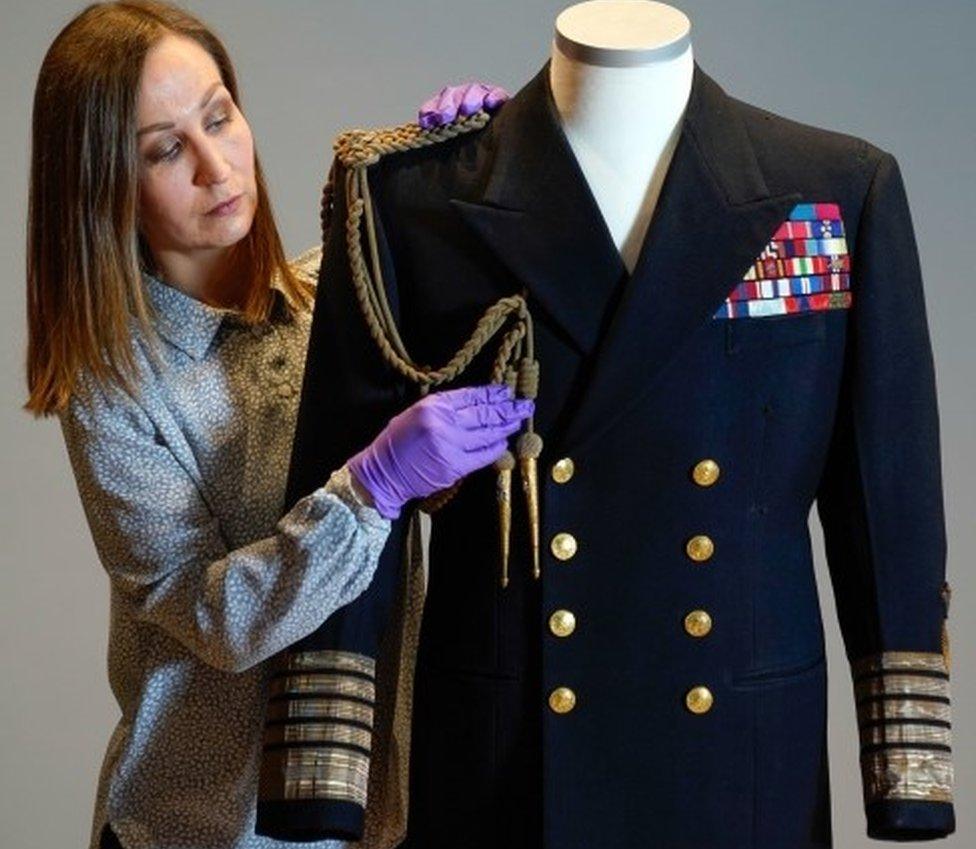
{"points": [[907, 774], [323, 684], [318, 727], [332, 659], [904, 722], [323, 709], [912, 660], [321, 774], [319, 732]]}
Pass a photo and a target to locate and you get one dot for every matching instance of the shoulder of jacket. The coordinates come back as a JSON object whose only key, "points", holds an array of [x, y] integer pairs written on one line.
{"points": [[361, 148], [808, 144]]}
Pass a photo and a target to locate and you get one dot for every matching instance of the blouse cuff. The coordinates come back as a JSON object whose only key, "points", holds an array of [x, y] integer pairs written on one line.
{"points": [[340, 485]]}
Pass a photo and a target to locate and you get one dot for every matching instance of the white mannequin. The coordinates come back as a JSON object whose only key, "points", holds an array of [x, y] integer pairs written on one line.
{"points": [[620, 75]]}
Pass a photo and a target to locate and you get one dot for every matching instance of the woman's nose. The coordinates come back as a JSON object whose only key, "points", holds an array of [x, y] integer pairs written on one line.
{"points": [[212, 166]]}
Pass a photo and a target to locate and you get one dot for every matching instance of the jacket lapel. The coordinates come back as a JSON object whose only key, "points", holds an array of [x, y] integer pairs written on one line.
{"points": [[713, 217], [539, 217]]}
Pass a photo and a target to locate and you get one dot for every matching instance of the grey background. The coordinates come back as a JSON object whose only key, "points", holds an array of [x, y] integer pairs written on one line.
{"points": [[898, 73]]}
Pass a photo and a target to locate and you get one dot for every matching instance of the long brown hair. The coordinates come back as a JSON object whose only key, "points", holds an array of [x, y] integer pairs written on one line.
{"points": [[85, 256]]}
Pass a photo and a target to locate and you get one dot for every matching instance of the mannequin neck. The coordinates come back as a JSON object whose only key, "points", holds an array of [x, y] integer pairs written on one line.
{"points": [[620, 63], [596, 102], [620, 73]]}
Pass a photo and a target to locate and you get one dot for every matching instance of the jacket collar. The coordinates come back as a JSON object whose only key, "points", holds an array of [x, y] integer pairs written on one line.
{"points": [[536, 212]]}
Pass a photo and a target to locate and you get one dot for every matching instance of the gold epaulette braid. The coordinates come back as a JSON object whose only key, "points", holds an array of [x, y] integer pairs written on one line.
{"points": [[356, 150]]}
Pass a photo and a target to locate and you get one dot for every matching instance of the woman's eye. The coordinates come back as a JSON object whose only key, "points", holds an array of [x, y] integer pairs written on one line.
{"points": [[170, 154]]}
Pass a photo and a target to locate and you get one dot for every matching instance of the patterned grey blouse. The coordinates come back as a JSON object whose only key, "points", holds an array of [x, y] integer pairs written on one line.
{"points": [[183, 490]]}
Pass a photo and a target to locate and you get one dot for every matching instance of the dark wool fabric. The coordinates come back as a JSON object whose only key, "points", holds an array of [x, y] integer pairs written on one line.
{"points": [[640, 380]]}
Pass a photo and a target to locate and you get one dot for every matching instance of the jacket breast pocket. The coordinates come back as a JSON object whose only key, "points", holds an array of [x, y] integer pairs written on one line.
{"points": [[777, 331]]}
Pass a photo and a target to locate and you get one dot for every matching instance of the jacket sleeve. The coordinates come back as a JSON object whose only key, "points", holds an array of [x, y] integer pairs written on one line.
{"points": [[313, 782], [164, 550], [881, 508]]}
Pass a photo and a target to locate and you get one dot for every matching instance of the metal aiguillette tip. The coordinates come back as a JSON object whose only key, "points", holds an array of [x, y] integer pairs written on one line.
{"points": [[503, 492], [529, 447]]}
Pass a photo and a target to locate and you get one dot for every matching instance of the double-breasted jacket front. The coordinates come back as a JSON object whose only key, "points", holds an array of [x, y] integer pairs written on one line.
{"points": [[663, 683]]}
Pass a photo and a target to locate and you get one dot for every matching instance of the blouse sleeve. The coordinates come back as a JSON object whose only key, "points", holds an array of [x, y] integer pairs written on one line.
{"points": [[163, 548]]}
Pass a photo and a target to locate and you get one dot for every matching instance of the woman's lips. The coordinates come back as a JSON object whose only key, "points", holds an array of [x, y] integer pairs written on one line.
{"points": [[227, 207]]}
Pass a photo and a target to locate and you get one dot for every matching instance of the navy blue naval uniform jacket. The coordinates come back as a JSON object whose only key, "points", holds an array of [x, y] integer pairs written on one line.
{"points": [[693, 413]]}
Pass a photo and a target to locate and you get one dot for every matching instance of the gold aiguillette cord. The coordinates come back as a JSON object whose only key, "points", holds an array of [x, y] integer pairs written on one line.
{"points": [[528, 447], [357, 150]]}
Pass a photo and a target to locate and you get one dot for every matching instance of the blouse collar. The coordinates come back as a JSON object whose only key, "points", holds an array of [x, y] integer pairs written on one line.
{"points": [[189, 323]]}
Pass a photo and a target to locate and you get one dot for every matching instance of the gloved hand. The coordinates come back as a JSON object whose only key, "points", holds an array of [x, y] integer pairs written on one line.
{"points": [[454, 100], [437, 440]]}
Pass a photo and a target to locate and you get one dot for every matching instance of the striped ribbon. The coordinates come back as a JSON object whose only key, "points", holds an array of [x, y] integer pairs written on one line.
{"points": [[804, 267]]}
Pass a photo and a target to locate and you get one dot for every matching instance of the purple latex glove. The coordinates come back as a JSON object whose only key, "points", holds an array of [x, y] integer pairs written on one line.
{"points": [[436, 441], [459, 100]]}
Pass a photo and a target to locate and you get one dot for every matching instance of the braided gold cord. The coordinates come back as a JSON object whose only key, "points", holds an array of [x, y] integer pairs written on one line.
{"points": [[356, 150]]}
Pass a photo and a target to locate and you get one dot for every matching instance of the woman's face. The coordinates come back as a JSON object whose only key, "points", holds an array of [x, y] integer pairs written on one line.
{"points": [[195, 153]]}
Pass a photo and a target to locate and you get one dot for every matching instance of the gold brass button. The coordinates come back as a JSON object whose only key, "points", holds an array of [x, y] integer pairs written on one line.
{"points": [[699, 699], [562, 623], [562, 700], [705, 472], [563, 545], [562, 470], [700, 547], [698, 623]]}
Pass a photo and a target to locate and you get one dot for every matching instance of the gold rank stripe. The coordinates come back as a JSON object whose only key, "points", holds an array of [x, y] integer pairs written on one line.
{"points": [[330, 659], [916, 661], [348, 710], [902, 687], [902, 683], [321, 774], [910, 774], [322, 684], [904, 724], [318, 727], [900, 708], [317, 760], [318, 732], [905, 733]]}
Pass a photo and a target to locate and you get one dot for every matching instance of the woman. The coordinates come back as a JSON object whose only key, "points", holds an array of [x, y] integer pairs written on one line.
{"points": [[168, 333]]}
